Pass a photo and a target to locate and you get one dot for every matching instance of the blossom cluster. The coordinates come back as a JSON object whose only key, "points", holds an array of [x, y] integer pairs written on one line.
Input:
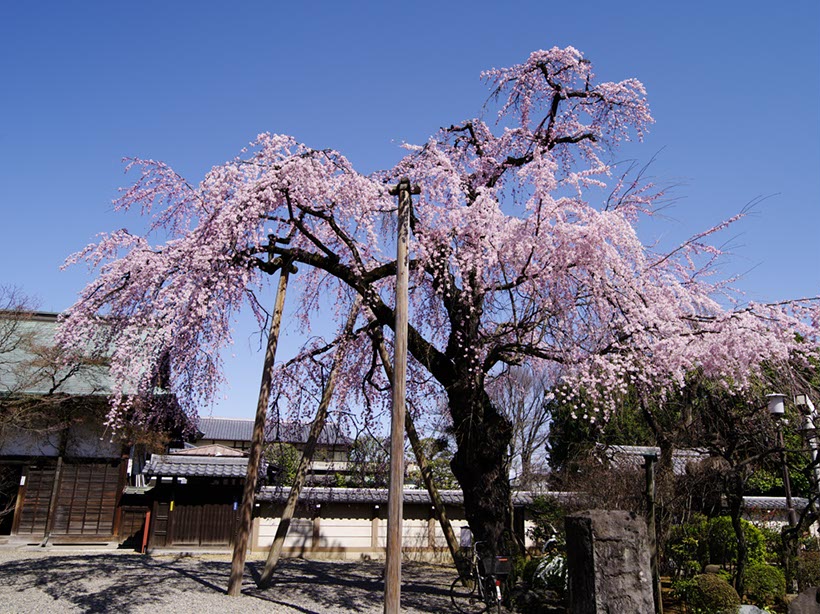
{"points": [[523, 248]]}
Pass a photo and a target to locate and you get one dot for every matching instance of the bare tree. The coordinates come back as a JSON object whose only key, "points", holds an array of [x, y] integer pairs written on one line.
{"points": [[35, 404], [39, 381], [524, 396]]}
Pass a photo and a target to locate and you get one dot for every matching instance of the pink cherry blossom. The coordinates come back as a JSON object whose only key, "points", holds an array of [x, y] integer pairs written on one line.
{"points": [[524, 249]]}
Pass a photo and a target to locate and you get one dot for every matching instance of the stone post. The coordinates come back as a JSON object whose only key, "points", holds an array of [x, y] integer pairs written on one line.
{"points": [[608, 563]]}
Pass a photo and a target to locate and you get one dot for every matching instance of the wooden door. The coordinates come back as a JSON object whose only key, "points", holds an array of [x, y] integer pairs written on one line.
{"points": [[201, 524], [132, 526], [160, 524], [32, 518], [87, 499]]}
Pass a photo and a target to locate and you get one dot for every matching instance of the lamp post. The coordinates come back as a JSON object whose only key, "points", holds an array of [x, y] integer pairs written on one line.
{"points": [[809, 428], [777, 411], [650, 459]]}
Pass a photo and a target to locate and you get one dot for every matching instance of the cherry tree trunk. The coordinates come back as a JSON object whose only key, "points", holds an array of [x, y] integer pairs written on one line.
{"points": [[483, 435]]}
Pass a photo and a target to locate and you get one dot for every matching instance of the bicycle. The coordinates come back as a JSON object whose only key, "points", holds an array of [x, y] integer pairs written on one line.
{"points": [[480, 590]]}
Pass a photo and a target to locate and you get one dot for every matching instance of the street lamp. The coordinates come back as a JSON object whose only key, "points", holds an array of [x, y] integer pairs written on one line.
{"points": [[809, 428], [777, 411]]}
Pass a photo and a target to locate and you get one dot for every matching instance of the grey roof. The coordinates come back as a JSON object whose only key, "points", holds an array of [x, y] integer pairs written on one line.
{"points": [[774, 503], [378, 496], [238, 429], [231, 429], [297, 432], [213, 449], [322, 494], [633, 457], [172, 465], [22, 370]]}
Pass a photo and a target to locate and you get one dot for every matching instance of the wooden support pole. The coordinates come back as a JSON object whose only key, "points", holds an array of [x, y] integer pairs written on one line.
{"points": [[52, 502], [392, 576], [55, 487], [146, 531], [240, 548], [649, 467], [310, 446]]}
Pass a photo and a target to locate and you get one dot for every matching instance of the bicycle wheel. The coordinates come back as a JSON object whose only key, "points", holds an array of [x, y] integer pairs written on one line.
{"points": [[467, 599], [492, 597]]}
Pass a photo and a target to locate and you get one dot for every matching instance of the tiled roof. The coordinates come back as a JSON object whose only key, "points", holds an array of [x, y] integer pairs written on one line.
{"points": [[319, 494], [35, 331], [297, 432], [173, 465], [378, 496], [230, 429], [236, 429], [633, 457], [773, 503], [210, 450]]}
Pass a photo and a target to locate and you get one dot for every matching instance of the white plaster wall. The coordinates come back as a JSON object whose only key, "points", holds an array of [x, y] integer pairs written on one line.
{"points": [[344, 532], [300, 533]]}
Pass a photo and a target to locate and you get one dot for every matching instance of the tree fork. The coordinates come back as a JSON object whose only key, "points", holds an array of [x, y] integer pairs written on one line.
{"points": [[246, 509], [310, 446]]}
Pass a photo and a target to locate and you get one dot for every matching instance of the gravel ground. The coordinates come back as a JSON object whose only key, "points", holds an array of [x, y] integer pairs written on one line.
{"points": [[46, 581]]}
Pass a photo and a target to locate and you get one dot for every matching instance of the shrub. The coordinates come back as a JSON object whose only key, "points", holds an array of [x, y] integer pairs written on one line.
{"points": [[764, 584], [682, 589], [808, 569], [548, 518], [694, 544], [774, 545], [723, 542], [686, 548], [542, 588], [528, 569], [551, 573], [708, 594], [547, 572]]}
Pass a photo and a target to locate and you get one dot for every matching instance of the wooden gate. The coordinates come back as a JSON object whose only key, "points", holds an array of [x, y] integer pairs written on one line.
{"points": [[32, 517], [132, 525], [194, 516], [204, 524], [85, 504], [87, 499]]}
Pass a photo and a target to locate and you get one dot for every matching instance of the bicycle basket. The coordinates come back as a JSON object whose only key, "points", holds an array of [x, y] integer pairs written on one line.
{"points": [[496, 566]]}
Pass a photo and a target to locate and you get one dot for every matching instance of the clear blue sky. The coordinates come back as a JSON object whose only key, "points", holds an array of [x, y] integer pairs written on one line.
{"points": [[734, 87]]}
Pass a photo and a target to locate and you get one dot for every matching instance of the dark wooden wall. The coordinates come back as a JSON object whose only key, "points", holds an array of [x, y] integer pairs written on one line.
{"points": [[86, 499], [200, 516], [35, 495]]}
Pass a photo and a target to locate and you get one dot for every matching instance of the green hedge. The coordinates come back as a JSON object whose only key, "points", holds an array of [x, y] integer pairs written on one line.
{"points": [[708, 594], [808, 569], [764, 584], [723, 542], [698, 542]]}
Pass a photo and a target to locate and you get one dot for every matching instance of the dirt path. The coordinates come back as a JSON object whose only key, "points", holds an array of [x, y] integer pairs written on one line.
{"points": [[45, 582]]}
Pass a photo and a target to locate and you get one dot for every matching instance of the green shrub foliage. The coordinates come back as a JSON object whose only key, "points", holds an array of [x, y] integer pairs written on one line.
{"points": [[696, 543], [548, 524], [808, 569], [708, 594], [687, 548], [764, 584], [723, 542]]}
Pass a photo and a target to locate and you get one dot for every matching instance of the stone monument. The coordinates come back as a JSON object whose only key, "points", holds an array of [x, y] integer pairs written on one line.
{"points": [[608, 563]]}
